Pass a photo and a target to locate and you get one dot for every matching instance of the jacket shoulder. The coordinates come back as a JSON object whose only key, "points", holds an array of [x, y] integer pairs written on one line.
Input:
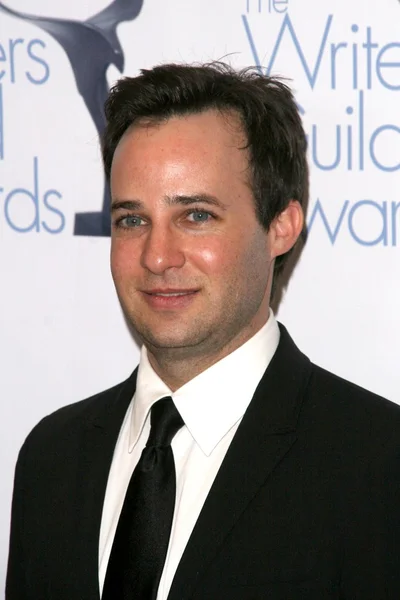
{"points": [[352, 407], [336, 387], [71, 417]]}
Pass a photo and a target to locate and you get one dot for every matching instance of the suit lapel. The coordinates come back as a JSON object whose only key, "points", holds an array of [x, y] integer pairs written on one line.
{"points": [[265, 435], [98, 443]]}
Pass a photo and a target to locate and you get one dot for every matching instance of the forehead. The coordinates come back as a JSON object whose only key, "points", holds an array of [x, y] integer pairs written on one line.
{"points": [[207, 140]]}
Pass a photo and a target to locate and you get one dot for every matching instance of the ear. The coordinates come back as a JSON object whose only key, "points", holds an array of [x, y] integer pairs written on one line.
{"points": [[286, 228]]}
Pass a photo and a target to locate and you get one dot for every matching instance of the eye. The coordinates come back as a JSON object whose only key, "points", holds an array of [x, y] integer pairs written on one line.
{"points": [[199, 216], [129, 221]]}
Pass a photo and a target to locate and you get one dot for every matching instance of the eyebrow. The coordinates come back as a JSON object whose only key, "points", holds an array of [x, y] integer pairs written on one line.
{"points": [[186, 200], [178, 199], [126, 204]]}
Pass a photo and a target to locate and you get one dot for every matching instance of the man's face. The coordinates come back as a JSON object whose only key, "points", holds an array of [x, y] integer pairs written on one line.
{"points": [[190, 261]]}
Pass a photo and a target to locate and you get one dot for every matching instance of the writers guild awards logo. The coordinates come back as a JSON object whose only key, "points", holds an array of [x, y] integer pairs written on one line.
{"points": [[91, 47]]}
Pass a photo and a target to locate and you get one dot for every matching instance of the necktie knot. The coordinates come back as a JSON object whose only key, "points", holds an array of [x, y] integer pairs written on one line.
{"points": [[165, 422]]}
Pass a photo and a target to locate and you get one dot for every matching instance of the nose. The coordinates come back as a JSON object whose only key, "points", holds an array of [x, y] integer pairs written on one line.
{"points": [[162, 250]]}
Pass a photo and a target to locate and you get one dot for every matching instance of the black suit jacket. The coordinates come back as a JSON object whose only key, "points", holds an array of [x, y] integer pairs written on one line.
{"points": [[304, 507]]}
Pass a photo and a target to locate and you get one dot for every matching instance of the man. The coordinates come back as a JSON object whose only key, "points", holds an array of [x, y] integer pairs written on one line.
{"points": [[264, 476]]}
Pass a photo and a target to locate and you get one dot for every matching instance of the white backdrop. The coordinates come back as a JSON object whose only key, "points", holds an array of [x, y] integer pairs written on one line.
{"points": [[62, 333]]}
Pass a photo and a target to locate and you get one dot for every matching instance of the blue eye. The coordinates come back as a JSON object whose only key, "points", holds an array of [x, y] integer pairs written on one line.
{"points": [[200, 216], [132, 221]]}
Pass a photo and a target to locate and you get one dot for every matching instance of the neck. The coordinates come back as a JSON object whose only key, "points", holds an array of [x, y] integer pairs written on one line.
{"points": [[177, 366], [175, 371]]}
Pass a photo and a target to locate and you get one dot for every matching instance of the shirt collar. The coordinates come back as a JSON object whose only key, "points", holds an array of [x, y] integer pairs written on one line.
{"points": [[216, 399]]}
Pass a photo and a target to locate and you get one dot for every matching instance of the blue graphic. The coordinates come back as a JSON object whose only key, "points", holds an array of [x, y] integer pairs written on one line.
{"points": [[40, 213], [351, 143], [348, 217], [91, 47]]}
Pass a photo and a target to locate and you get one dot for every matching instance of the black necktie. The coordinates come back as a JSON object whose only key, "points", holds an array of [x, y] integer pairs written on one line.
{"points": [[141, 540]]}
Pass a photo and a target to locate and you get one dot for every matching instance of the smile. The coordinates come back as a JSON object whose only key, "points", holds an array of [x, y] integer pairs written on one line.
{"points": [[170, 294], [172, 299]]}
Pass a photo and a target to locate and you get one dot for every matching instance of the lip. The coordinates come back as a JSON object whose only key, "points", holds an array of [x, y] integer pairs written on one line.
{"points": [[171, 298]]}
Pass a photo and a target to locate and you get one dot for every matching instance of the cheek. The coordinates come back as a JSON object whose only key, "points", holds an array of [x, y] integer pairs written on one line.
{"points": [[213, 256], [123, 260], [242, 261]]}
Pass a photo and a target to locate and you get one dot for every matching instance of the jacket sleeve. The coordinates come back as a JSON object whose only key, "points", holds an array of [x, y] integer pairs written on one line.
{"points": [[371, 562], [16, 580]]}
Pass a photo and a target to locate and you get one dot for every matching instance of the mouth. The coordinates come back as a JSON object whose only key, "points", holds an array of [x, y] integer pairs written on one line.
{"points": [[169, 299]]}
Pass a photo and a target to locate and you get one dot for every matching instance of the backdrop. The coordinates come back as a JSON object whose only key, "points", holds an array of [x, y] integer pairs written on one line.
{"points": [[63, 336]]}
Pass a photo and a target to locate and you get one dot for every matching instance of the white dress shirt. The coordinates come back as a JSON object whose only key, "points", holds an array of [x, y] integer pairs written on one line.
{"points": [[212, 406]]}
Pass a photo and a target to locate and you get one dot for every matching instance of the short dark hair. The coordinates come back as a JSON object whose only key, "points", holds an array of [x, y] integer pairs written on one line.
{"points": [[268, 113]]}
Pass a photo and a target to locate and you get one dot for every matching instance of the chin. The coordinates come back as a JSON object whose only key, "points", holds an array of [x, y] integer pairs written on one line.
{"points": [[168, 340]]}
